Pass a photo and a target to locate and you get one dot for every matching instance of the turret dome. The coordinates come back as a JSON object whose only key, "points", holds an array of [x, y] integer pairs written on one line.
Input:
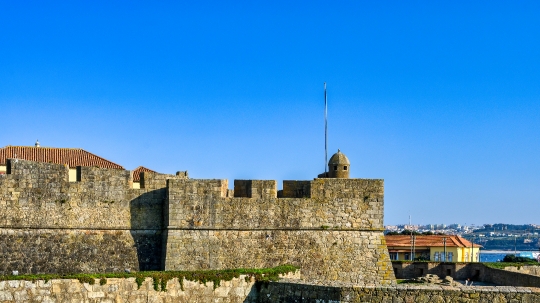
{"points": [[339, 158], [339, 166]]}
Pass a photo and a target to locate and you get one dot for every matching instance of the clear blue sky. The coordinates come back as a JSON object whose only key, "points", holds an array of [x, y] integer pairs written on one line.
{"points": [[440, 99]]}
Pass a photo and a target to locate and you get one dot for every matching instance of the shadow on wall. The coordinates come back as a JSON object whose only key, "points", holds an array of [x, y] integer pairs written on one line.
{"points": [[253, 294], [272, 292], [147, 228]]}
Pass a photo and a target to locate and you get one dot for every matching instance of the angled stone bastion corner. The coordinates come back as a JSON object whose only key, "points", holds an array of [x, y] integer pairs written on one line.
{"points": [[331, 228]]}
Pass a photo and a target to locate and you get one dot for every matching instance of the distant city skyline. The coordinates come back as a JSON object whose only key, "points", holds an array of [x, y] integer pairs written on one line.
{"points": [[441, 100], [452, 225]]}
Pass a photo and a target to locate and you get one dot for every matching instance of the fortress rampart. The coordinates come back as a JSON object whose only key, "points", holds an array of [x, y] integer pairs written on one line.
{"points": [[97, 224], [331, 228], [38, 195]]}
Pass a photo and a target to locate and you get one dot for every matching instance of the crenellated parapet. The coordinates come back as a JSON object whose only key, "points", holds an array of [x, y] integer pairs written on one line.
{"points": [[355, 204], [331, 228], [255, 189]]}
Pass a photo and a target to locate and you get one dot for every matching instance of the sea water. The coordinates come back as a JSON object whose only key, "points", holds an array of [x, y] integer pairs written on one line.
{"points": [[498, 255], [493, 256]]}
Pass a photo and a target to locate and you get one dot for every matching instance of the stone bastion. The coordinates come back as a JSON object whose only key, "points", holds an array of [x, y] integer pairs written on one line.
{"points": [[331, 228]]}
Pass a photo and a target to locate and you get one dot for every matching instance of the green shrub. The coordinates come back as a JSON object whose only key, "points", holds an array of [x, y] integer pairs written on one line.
{"points": [[517, 259]]}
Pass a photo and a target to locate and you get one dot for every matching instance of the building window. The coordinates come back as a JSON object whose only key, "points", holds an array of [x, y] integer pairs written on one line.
{"points": [[450, 256], [394, 256], [436, 257], [335, 167], [467, 256], [344, 167], [407, 256]]}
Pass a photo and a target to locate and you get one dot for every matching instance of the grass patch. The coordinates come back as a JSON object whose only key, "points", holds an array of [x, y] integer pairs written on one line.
{"points": [[502, 265], [160, 278]]}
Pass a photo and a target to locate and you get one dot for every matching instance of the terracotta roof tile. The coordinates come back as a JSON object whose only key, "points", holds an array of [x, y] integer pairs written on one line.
{"points": [[137, 173], [425, 240], [73, 157]]}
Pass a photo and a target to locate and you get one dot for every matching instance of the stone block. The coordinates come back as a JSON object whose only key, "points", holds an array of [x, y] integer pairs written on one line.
{"points": [[95, 294], [6, 296]]}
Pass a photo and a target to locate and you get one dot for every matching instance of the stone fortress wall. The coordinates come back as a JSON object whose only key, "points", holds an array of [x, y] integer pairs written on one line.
{"points": [[331, 228], [97, 224]]}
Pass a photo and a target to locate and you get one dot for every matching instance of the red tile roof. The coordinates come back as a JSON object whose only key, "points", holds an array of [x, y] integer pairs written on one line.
{"points": [[428, 241], [73, 157], [137, 173]]}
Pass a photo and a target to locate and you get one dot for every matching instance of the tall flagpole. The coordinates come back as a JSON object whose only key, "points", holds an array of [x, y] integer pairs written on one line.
{"points": [[325, 133]]}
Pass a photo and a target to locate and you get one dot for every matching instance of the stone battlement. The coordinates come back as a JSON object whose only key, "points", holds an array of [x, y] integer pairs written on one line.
{"points": [[43, 172], [37, 194], [332, 203], [330, 228]]}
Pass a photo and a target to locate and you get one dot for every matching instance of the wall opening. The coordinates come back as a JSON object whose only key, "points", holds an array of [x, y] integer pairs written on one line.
{"points": [[79, 173], [8, 167]]}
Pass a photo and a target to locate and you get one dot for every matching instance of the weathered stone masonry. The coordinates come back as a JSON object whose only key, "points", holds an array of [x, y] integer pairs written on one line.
{"points": [[98, 224], [335, 233], [331, 228], [241, 291]]}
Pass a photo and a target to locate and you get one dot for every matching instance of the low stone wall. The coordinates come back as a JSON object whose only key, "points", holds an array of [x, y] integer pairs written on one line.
{"points": [[125, 290], [294, 292], [458, 271], [463, 271], [504, 277], [527, 269], [242, 291]]}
